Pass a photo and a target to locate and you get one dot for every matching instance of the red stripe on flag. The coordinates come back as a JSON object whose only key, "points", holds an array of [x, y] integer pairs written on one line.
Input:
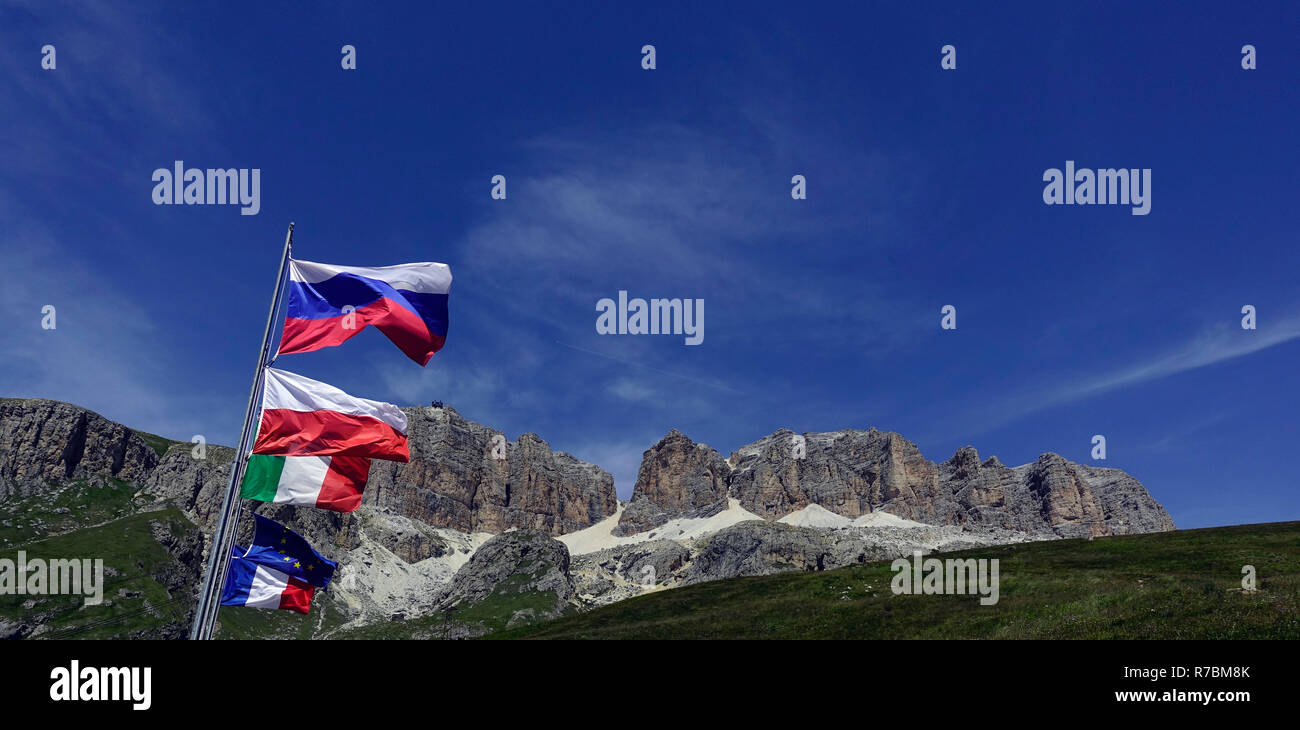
{"points": [[297, 596], [399, 324], [344, 482], [328, 433]]}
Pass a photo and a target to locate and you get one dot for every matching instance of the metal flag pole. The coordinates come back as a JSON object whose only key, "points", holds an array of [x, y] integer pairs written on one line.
{"points": [[214, 577]]}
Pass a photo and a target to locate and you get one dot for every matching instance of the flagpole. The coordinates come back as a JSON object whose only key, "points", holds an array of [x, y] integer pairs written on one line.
{"points": [[214, 577]]}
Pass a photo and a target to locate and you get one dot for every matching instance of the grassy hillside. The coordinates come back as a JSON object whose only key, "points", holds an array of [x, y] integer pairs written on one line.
{"points": [[147, 593], [65, 508], [159, 444], [1176, 585], [240, 622]]}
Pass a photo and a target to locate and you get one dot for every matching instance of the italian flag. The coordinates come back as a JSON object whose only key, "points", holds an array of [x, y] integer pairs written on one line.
{"points": [[326, 482], [257, 586]]}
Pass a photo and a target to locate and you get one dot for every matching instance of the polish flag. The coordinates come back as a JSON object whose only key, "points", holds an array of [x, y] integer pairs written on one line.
{"points": [[305, 417]]}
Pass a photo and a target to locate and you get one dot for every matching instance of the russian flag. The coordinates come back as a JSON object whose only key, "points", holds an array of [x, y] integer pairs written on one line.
{"points": [[305, 417], [257, 586], [407, 302]]}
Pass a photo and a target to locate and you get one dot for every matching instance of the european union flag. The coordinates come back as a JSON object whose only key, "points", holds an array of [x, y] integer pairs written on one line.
{"points": [[278, 547]]}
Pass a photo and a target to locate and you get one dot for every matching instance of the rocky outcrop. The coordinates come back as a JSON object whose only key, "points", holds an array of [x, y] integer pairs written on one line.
{"points": [[850, 473], [525, 571], [1080, 500], [195, 485], [537, 562], [45, 442], [468, 477], [621, 572], [757, 547], [761, 548], [853, 473], [677, 478], [405, 538], [461, 475]]}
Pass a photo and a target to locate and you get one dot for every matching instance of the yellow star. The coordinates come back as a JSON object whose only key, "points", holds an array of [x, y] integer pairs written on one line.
{"points": [[311, 567], [287, 559], [297, 565]]}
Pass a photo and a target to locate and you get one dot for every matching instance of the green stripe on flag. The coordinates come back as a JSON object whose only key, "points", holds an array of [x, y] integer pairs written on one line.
{"points": [[262, 477]]}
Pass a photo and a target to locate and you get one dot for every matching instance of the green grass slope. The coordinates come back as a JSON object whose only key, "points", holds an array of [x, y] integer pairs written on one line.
{"points": [[66, 508], [147, 594], [243, 623], [1174, 585]]}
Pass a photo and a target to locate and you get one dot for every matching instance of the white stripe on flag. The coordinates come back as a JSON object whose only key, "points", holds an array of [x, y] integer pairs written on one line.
{"points": [[295, 393], [301, 479], [267, 587], [425, 277]]}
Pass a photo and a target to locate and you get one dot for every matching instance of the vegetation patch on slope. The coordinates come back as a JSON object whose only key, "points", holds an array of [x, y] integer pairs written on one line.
{"points": [[147, 593], [65, 508], [1185, 584]]}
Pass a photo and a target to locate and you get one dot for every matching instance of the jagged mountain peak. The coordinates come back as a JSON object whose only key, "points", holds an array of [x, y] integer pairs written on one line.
{"points": [[853, 473]]}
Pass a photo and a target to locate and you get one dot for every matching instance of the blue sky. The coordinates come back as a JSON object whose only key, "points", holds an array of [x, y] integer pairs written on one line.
{"points": [[924, 189]]}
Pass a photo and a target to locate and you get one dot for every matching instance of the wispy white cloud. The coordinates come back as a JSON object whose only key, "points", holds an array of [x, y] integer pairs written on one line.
{"points": [[712, 383], [104, 351], [1213, 345], [112, 91], [630, 390]]}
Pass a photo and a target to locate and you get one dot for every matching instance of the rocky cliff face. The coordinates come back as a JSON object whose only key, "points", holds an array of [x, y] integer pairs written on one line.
{"points": [[677, 478], [45, 442], [467, 477], [853, 473], [512, 564], [460, 476]]}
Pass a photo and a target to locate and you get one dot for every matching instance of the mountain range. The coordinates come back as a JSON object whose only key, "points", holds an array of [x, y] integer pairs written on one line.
{"points": [[477, 533]]}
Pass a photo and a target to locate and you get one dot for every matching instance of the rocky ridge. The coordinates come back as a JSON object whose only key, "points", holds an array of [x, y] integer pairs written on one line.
{"points": [[854, 473], [472, 518]]}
